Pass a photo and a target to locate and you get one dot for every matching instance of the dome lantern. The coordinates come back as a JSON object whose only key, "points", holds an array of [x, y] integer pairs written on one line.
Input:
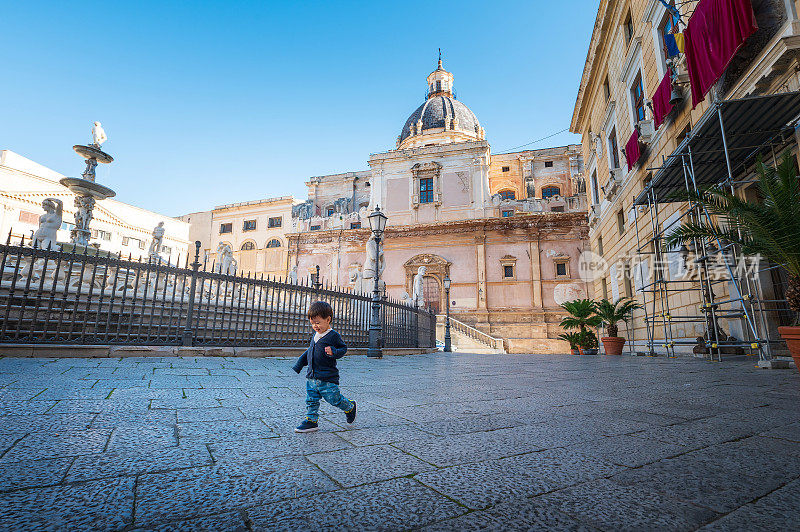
{"points": [[442, 119]]}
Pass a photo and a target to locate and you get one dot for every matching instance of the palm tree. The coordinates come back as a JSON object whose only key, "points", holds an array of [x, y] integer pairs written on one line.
{"points": [[612, 313], [582, 316], [769, 227]]}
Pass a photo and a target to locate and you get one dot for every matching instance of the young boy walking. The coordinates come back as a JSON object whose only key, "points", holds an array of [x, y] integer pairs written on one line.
{"points": [[322, 377]]}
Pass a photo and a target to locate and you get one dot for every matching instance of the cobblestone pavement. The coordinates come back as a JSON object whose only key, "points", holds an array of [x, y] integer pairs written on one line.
{"points": [[442, 442]]}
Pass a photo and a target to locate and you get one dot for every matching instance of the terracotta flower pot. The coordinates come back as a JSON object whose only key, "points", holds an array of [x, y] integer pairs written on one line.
{"points": [[574, 351], [792, 337], [613, 344]]}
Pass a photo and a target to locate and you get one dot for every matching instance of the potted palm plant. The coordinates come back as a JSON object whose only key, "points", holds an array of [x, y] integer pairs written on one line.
{"points": [[573, 338], [582, 318], [769, 227], [612, 313]]}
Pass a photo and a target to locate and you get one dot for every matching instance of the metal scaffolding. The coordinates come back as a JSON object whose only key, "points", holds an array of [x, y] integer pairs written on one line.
{"points": [[720, 150]]}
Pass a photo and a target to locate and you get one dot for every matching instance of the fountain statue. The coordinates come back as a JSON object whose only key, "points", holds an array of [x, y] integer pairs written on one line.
{"points": [[46, 235], [158, 238], [86, 191]]}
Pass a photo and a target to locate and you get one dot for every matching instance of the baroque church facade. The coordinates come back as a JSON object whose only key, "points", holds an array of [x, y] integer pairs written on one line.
{"points": [[507, 229]]}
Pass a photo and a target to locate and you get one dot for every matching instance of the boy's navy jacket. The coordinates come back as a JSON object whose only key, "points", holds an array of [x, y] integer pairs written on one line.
{"points": [[322, 366]]}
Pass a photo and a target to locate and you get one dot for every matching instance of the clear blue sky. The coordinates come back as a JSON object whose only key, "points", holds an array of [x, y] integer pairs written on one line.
{"points": [[208, 103]]}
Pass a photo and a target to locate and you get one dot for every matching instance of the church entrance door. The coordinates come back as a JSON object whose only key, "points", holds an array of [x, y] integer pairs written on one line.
{"points": [[431, 293]]}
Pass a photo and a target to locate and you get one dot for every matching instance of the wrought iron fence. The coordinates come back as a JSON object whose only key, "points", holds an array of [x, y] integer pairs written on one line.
{"points": [[92, 297]]}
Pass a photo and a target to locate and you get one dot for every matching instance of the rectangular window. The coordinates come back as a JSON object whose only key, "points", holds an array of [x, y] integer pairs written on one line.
{"points": [[225, 228], [275, 221], [508, 272], [507, 214], [595, 190], [141, 244], [621, 222], [613, 148], [355, 225], [606, 89], [560, 208], [166, 249], [561, 269], [28, 217], [600, 245], [315, 227], [548, 164], [506, 168], [330, 211], [626, 280], [249, 225], [426, 190], [683, 134], [637, 98], [604, 287], [670, 25], [627, 28]]}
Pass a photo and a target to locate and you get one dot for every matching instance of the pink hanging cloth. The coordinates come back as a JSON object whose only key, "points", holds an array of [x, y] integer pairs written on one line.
{"points": [[715, 32], [632, 152], [661, 105]]}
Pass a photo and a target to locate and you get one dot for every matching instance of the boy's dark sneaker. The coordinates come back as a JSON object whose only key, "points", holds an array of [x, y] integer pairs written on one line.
{"points": [[307, 426], [351, 415]]}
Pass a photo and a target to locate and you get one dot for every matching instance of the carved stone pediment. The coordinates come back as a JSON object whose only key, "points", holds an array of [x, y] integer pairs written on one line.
{"points": [[432, 166], [427, 260]]}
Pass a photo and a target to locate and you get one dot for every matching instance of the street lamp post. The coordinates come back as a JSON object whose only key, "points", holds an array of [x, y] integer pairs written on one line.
{"points": [[377, 222], [447, 343], [315, 280]]}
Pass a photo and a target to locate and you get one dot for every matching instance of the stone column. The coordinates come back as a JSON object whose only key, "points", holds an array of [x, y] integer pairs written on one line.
{"points": [[480, 253], [536, 271]]}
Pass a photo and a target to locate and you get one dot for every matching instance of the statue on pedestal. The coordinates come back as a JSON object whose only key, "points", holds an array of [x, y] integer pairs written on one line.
{"points": [[293, 275], [374, 265], [226, 264], [418, 297], [49, 223], [98, 135], [155, 244]]}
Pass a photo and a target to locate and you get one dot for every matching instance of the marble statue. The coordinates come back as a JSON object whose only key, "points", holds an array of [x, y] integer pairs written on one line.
{"points": [[293, 275], [84, 206], [374, 262], [89, 173], [226, 264], [46, 235], [155, 244], [418, 296], [98, 134]]}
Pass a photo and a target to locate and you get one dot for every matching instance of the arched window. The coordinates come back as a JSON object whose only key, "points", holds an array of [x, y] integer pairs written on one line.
{"points": [[548, 192], [248, 246], [507, 195], [274, 243]]}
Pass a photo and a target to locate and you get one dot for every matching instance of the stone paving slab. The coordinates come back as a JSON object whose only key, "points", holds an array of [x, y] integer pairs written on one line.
{"points": [[482, 484], [351, 467], [441, 442], [99, 505], [609, 506], [398, 504]]}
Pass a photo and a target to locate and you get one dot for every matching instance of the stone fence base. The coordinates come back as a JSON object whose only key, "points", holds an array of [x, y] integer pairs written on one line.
{"points": [[117, 351]]}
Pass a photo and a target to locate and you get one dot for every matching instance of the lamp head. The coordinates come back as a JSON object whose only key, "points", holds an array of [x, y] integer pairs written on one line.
{"points": [[377, 221]]}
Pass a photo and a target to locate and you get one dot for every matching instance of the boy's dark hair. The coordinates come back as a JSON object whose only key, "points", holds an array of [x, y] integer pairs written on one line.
{"points": [[320, 309]]}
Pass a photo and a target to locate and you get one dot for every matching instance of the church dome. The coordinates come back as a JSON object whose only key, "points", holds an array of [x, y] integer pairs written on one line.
{"points": [[442, 118]]}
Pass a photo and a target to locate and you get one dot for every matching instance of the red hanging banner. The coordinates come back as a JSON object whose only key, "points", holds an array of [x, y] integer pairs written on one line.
{"points": [[715, 32], [632, 152], [661, 105]]}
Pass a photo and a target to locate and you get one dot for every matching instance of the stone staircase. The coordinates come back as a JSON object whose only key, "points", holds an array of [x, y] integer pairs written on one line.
{"points": [[467, 339]]}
